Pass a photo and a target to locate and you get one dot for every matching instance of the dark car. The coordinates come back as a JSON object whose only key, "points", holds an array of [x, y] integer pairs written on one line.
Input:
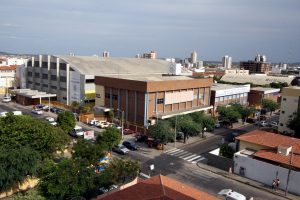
{"points": [[251, 120], [141, 138], [179, 135], [130, 145], [231, 137]]}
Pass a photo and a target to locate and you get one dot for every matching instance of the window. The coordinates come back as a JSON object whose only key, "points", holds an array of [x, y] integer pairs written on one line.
{"points": [[29, 74], [64, 98], [160, 101], [45, 76], [37, 84], [63, 89], [36, 63], [284, 99], [62, 79], [98, 96], [281, 124], [53, 78], [245, 94], [221, 99], [107, 95], [53, 87], [230, 97], [62, 66], [45, 85], [89, 80], [282, 112], [44, 64], [115, 97], [29, 63], [53, 65], [217, 99], [37, 75]]}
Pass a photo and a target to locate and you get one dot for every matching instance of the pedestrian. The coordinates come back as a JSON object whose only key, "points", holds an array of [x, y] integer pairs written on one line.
{"points": [[273, 184], [277, 183], [230, 171]]}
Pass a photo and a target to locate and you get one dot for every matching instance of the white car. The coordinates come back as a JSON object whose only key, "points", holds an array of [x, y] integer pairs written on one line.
{"points": [[274, 124], [103, 124], [3, 114], [17, 112], [232, 195], [37, 111], [93, 122], [6, 99], [52, 121]]}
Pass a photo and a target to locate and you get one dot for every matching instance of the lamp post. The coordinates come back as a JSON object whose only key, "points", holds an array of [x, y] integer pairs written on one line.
{"points": [[122, 123], [204, 129]]}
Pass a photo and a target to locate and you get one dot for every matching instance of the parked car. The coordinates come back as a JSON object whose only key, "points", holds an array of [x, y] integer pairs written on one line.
{"points": [[262, 123], [127, 131], [130, 145], [77, 131], [6, 99], [141, 138], [104, 124], [37, 111], [3, 114], [217, 125], [120, 149], [230, 194], [274, 124], [179, 135], [93, 122], [17, 112], [51, 120], [251, 120], [104, 190]]}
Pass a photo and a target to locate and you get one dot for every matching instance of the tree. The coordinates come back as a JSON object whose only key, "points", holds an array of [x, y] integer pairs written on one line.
{"points": [[188, 126], [110, 137], [67, 179], [16, 163], [270, 105], [162, 130], [245, 112], [86, 152], [294, 125], [32, 194], [66, 121], [42, 137], [75, 106], [228, 114], [226, 151], [121, 170]]}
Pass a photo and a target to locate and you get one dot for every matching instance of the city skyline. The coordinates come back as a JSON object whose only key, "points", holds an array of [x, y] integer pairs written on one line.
{"points": [[172, 28]]}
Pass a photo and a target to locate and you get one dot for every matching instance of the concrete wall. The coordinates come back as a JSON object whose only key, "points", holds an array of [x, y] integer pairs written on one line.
{"points": [[289, 108], [220, 162], [265, 173]]}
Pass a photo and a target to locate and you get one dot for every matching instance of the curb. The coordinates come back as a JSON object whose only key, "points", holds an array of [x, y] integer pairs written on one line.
{"points": [[245, 182]]}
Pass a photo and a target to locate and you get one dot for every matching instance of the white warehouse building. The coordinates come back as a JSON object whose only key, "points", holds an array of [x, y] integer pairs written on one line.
{"points": [[71, 78]]}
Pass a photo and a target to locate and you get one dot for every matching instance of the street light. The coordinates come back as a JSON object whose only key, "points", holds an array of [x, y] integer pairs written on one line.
{"points": [[122, 119], [175, 131]]}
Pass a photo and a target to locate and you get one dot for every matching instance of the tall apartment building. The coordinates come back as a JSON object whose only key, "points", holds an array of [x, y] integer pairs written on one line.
{"points": [[151, 55], [227, 62], [290, 107], [194, 57], [255, 67], [72, 78]]}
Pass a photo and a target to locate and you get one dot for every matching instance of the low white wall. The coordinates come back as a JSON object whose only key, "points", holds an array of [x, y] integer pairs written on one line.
{"points": [[265, 173]]}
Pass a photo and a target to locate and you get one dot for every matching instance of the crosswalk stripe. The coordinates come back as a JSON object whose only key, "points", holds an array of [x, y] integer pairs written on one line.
{"points": [[173, 153], [198, 160], [181, 153], [193, 158], [189, 157], [170, 150], [173, 150], [185, 155]]}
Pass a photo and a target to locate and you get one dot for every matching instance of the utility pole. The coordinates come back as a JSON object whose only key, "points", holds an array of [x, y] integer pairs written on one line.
{"points": [[175, 131], [289, 172]]}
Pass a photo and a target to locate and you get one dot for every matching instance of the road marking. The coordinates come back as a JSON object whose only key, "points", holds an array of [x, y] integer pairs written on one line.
{"points": [[171, 150], [194, 162], [188, 154], [173, 153], [181, 153], [189, 157], [193, 158]]}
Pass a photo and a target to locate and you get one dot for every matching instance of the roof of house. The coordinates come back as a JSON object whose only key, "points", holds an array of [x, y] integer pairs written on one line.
{"points": [[150, 78], [11, 67], [271, 140], [265, 90], [256, 79], [221, 86], [159, 188], [93, 65], [274, 156]]}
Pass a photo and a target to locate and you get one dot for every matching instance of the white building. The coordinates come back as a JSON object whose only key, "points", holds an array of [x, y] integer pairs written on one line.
{"points": [[227, 62], [290, 100], [7, 78], [72, 78]]}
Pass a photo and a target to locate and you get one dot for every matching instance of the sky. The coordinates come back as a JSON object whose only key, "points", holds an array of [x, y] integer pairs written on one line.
{"points": [[173, 28]]}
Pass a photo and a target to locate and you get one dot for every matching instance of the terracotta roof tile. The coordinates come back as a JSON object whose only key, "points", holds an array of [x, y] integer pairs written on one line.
{"points": [[274, 156], [271, 140], [159, 188], [12, 67]]}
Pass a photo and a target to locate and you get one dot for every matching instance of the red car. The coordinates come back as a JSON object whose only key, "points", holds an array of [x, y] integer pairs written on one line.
{"points": [[127, 131]]}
